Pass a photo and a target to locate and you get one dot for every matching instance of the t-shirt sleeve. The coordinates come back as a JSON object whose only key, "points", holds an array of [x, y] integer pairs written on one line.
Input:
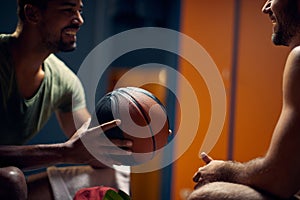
{"points": [[78, 99], [67, 92], [74, 98]]}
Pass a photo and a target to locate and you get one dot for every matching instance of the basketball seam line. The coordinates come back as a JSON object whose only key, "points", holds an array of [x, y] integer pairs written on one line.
{"points": [[144, 115]]}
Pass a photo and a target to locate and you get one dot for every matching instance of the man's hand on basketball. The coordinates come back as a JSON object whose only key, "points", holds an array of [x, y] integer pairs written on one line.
{"points": [[90, 145]]}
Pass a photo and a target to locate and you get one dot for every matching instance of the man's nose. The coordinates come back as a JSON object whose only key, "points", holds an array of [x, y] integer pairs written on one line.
{"points": [[266, 8]]}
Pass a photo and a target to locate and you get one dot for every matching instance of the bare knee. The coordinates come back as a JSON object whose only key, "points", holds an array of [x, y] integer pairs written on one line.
{"points": [[194, 196], [200, 194], [209, 191], [13, 184], [226, 191]]}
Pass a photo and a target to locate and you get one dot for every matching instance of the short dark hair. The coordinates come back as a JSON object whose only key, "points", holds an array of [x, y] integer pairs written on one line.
{"points": [[42, 4]]}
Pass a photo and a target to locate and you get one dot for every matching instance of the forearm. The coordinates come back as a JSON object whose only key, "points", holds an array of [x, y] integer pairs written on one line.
{"points": [[32, 156], [259, 174], [245, 173]]}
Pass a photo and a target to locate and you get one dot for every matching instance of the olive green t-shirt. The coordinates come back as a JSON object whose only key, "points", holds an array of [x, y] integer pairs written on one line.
{"points": [[20, 118]]}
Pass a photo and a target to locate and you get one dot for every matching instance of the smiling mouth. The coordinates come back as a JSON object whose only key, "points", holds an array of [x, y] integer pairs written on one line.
{"points": [[71, 32], [273, 22], [273, 19]]}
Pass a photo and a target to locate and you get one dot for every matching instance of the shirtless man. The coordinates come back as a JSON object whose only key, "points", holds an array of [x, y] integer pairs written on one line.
{"points": [[277, 174]]}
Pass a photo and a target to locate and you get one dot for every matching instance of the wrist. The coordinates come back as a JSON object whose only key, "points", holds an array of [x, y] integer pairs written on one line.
{"points": [[232, 171], [65, 152]]}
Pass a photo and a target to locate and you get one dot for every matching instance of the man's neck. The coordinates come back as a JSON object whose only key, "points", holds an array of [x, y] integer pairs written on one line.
{"points": [[28, 58]]}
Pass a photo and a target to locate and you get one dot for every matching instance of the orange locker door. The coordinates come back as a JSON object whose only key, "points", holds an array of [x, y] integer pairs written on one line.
{"points": [[210, 23]]}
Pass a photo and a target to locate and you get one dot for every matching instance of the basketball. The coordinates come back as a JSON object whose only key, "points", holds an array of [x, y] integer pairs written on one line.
{"points": [[143, 120]]}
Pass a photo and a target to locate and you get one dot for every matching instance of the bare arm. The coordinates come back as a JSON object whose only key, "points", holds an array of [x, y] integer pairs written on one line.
{"points": [[279, 171], [31, 156], [70, 120], [282, 164], [73, 151], [41, 155]]}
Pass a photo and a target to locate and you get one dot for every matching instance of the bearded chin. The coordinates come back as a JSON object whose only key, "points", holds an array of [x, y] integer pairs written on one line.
{"points": [[66, 47], [280, 39], [60, 46], [275, 39]]}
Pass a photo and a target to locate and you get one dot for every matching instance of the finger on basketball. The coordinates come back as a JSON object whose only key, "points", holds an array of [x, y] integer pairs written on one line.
{"points": [[106, 126], [122, 143], [113, 150], [111, 124]]}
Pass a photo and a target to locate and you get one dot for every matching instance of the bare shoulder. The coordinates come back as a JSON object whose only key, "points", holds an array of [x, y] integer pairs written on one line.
{"points": [[292, 66], [294, 57], [296, 50]]}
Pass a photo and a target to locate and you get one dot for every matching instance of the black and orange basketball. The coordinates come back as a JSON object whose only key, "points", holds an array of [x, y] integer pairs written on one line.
{"points": [[143, 120]]}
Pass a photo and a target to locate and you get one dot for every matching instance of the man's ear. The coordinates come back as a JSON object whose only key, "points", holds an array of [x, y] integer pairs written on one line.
{"points": [[32, 13]]}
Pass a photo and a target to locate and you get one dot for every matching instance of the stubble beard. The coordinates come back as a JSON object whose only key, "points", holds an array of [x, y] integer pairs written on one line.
{"points": [[55, 43], [59, 45], [284, 34]]}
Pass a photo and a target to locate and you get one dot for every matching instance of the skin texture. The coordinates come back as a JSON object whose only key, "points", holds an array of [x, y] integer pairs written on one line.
{"points": [[277, 174], [40, 32]]}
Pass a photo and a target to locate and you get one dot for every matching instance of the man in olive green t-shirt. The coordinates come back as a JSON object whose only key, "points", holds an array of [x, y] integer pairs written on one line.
{"points": [[34, 84], [21, 118]]}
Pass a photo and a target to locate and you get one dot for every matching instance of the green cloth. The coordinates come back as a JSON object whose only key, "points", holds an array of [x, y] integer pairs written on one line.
{"points": [[20, 118]]}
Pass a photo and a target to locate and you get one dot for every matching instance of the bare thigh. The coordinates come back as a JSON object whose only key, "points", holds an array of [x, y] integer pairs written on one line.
{"points": [[228, 191]]}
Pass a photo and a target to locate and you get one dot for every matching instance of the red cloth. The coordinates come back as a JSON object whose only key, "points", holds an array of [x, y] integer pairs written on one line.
{"points": [[93, 193]]}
